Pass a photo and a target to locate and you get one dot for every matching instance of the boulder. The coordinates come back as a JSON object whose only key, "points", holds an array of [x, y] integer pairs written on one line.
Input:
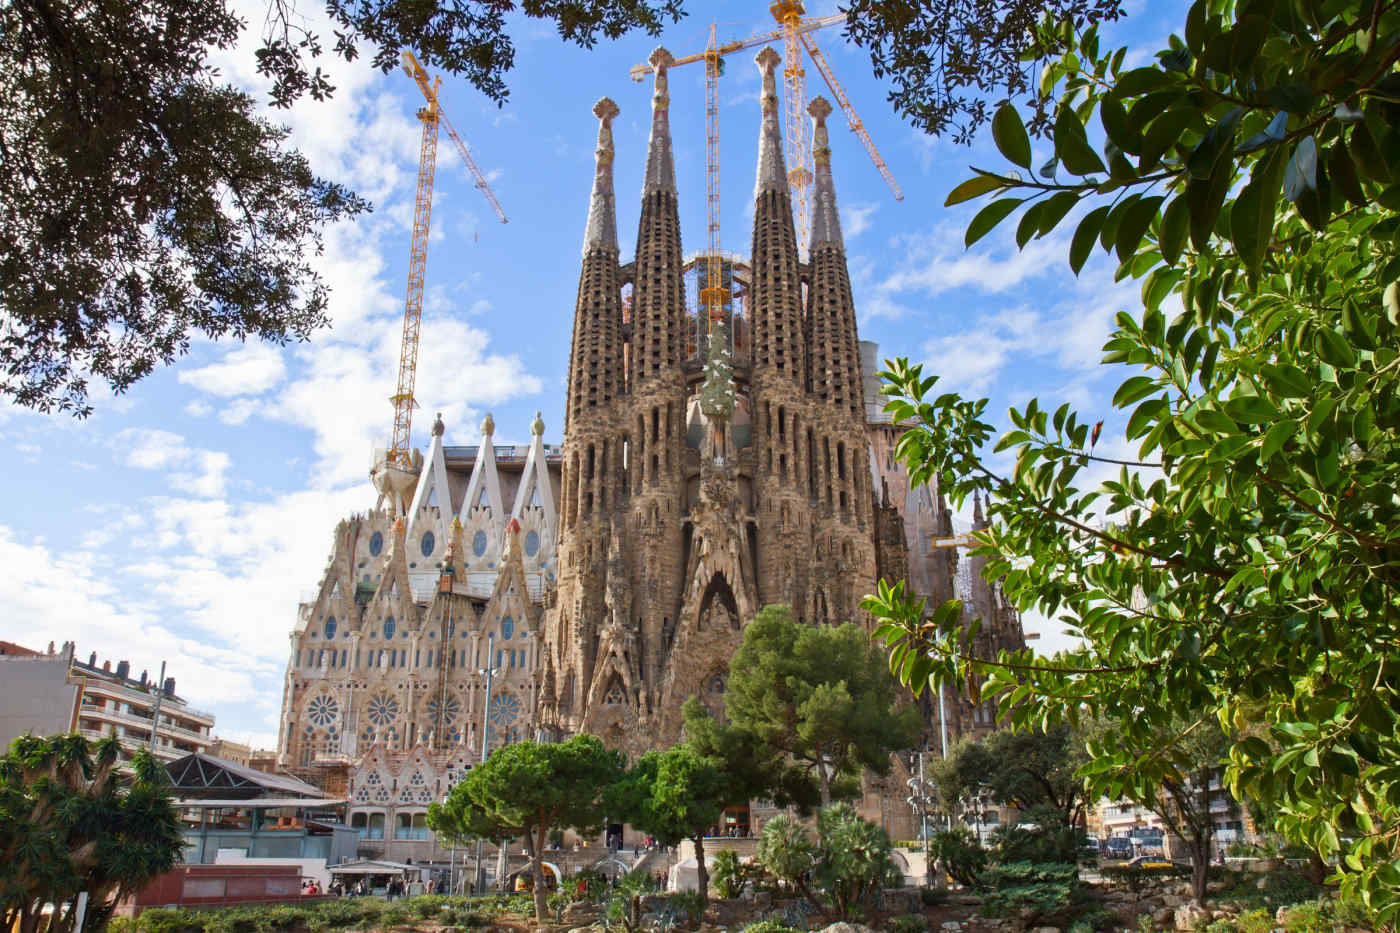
{"points": [[1045, 930], [1173, 900], [1162, 916], [1189, 916], [950, 926], [846, 928]]}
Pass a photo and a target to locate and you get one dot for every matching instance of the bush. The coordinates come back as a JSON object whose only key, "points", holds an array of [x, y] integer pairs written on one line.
{"points": [[1255, 921], [728, 876], [1044, 901], [909, 923], [1134, 878], [784, 849], [962, 856], [1044, 837], [853, 859], [932, 897], [767, 926], [1021, 873], [1282, 888]]}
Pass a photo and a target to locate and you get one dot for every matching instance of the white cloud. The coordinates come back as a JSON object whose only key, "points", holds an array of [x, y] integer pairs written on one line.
{"points": [[856, 218], [250, 369], [198, 472]]}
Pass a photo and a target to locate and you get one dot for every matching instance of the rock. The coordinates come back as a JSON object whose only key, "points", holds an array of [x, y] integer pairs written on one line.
{"points": [[966, 900], [1161, 916], [1189, 916], [1262, 883], [1046, 930], [1172, 900], [846, 928], [950, 926]]}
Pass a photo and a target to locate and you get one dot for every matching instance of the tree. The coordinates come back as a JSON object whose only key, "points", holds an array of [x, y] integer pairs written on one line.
{"points": [[527, 789], [1021, 770], [71, 822], [949, 60], [753, 768], [786, 852], [1239, 565], [821, 696], [144, 203], [677, 794]]}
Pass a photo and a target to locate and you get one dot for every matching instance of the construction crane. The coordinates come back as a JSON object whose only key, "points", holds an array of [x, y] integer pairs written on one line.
{"points": [[396, 474], [795, 31]]}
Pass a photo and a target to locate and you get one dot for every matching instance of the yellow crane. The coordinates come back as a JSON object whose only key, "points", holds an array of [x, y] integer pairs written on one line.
{"points": [[432, 117], [795, 31]]}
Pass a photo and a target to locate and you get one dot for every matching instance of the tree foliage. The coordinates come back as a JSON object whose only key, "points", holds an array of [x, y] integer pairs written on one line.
{"points": [[142, 200], [849, 862], [144, 204], [1020, 769], [677, 794], [70, 822], [819, 695], [949, 60], [1241, 564], [529, 788], [468, 39]]}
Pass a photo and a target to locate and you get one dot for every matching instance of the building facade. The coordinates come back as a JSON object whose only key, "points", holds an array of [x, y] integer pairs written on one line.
{"points": [[718, 455]]}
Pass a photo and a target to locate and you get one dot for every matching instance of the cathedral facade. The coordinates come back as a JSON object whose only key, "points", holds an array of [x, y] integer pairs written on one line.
{"points": [[718, 456]]}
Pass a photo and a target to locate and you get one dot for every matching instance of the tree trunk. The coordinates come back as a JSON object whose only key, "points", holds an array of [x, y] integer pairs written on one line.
{"points": [[537, 870], [1317, 869], [702, 874], [1200, 865], [825, 780]]}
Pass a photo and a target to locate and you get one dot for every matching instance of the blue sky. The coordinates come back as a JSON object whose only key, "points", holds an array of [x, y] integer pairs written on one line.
{"points": [[185, 519]]}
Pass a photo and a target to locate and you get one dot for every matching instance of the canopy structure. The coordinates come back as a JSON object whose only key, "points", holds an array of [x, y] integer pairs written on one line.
{"points": [[202, 780], [375, 867]]}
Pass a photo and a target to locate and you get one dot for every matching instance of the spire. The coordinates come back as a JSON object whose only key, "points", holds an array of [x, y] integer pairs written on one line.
{"points": [[772, 176], [978, 521], [826, 223], [661, 167], [601, 232]]}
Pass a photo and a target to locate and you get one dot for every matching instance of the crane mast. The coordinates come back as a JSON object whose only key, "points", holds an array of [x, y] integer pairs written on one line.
{"points": [[395, 475], [795, 31]]}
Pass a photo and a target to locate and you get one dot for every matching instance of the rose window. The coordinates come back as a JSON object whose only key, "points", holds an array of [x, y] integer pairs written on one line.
{"points": [[322, 710], [383, 710], [445, 711]]}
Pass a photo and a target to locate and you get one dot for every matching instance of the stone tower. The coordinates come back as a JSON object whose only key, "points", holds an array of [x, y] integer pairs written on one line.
{"points": [[704, 476]]}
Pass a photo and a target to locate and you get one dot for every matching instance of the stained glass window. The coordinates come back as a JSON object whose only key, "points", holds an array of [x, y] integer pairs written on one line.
{"points": [[376, 543], [479, 543], [507, 628], [532, 543], [428, 543]]}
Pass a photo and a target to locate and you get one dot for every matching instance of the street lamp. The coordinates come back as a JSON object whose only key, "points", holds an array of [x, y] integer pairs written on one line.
{"points": [[923, 797], [490, 673]]}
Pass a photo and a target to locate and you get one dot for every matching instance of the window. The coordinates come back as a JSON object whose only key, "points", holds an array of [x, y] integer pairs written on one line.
{"points": [[427, 544], [376, 543], [532, 543], [522, 657], [499, 656], [479, 544], [410, 826], [389, 627], [330, 626], [507, 628], [368, 825]]}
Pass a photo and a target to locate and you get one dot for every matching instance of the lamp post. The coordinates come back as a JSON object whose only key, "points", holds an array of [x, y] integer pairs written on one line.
{"points": [[923, 797], [479, 884]]}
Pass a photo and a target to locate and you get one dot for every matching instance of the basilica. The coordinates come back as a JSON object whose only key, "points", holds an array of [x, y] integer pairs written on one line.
{"points": [[717, 456]]}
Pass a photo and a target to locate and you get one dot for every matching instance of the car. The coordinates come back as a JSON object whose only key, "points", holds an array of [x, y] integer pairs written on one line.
{"points": [[1149, 861], [1118, 847]]}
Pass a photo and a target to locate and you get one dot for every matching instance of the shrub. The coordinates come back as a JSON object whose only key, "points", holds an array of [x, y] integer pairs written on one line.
{"points": [[1134, 878], [932, 897], [728, 877], [853, 858], [962, 856], [784, 849], [909, 923], [1044, 901], [1255, 921], [767, 926], [1021, 873]]}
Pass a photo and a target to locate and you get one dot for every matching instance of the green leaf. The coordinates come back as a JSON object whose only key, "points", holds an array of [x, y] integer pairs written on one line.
{"points": [[1133, 389], [1173, 230], [1369, 158], [972, 188], [1342, 171], [988, 217], [1010, 135], [1273, 133], [1072, 145], [1084, 236], [1136, 220], [1278, 435], [1201, 162], [1117, 126], [1301, 175]]}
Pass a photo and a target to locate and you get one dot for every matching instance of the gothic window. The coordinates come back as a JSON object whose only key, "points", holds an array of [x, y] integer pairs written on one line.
{"points": [[330, 626], [427, 544], [507, 628], [479, 544], [389, 627], [532, 543], [715, 685], [322, 710], [376, 543]]}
